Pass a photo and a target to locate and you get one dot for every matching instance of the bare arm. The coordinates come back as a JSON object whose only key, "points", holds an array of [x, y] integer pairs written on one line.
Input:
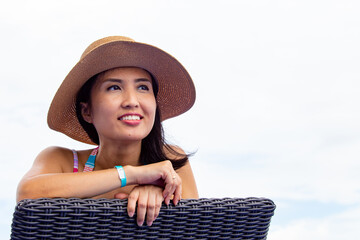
{"points": [[47, 178]]}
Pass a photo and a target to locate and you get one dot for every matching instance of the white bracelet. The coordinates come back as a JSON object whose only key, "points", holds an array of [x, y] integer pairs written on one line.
{"points": [[122, 175]]}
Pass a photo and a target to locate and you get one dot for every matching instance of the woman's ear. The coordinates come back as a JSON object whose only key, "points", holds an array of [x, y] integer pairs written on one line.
{"points": [[85, 112]]}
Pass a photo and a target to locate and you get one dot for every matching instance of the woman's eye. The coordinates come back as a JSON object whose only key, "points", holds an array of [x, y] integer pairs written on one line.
{"points": [[113, 87], [143, 87]]}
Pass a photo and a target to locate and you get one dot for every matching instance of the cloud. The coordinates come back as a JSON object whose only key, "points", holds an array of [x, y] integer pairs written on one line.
{"points": [[338, 226]]}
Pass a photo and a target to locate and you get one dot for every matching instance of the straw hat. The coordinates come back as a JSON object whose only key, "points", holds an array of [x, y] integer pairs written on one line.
{"points": [[176, 92]]}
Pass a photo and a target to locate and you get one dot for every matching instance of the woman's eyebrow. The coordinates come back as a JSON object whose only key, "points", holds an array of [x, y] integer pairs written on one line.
{"points": [[117, 80], [114, 80], [143, 80]]}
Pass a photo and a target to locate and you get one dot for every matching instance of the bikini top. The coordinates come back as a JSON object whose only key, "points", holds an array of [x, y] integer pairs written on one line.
{"points": [[90, 163]]}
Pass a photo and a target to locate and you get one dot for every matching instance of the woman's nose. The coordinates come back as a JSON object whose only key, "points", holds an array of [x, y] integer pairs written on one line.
{"points": [[130, 100]]}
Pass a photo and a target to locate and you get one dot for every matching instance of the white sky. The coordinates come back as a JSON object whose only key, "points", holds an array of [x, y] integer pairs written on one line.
{"points": [[277, 84]]}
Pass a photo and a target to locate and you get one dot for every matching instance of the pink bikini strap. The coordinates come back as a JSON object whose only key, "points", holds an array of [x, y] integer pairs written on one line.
{"points": [[89, 165], [76, 161]]}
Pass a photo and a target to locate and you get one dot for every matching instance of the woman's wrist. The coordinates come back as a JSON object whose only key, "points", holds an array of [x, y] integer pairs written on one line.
{"points": [[130, 175]]}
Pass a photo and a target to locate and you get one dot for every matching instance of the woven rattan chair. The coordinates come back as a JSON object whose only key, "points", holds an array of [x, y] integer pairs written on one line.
{"points": [[73, 218]]}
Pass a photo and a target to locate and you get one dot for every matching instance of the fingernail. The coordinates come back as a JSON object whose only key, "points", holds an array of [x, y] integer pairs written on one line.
{"points": [[149, 223], [131, 214], [140, 223]]}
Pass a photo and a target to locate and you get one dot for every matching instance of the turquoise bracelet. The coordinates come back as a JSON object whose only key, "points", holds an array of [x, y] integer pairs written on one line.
{"points": [[122, 175]]}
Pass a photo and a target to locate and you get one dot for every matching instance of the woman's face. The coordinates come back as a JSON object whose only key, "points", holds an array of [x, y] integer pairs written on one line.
{"points": [[122, 105]]}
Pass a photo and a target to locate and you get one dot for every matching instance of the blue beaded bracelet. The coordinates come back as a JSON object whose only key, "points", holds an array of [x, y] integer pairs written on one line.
{"points": [[122, 175]]}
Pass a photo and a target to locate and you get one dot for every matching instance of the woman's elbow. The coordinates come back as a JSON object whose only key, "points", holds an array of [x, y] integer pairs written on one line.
{"points": [[25, 190], [21, 192]]}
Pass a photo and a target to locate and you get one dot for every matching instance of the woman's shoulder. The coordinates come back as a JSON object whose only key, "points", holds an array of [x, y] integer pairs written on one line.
{"points": [[61, 152], [54, 152], [58, 157]]}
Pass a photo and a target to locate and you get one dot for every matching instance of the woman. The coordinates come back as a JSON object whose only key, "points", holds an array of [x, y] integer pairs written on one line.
{"points": [[116, 97]]}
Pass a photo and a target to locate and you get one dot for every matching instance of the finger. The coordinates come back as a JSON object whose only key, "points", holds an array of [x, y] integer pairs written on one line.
{"points": [[159, 200], [121, 195], [178, 191], [167, 178], [169, 196], [150, 213], [174, 186], [141, 208], [169, 187], [132, 199]]}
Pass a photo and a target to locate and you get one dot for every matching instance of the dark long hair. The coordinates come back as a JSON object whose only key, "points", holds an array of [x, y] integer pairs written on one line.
{"points": [[153, 147]]}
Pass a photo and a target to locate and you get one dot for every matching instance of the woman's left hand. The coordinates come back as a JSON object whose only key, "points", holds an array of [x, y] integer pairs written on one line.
{"points": [[148, 198]]}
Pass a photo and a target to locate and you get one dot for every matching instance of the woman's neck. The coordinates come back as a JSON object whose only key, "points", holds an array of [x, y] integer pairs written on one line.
{"points": [[110, 155]]}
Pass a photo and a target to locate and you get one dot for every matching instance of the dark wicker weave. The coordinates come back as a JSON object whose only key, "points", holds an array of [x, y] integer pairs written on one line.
{"points": [[73, 218]]}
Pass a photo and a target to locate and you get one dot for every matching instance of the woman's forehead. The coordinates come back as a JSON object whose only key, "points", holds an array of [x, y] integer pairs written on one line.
{"points": [[125, 72]]}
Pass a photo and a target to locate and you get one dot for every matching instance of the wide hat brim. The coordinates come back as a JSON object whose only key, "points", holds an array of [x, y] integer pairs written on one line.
{"points": [[176, 92]]}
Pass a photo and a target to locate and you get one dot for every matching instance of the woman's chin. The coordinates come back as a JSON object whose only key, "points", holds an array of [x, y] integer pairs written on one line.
{"points": [[130, 138]]}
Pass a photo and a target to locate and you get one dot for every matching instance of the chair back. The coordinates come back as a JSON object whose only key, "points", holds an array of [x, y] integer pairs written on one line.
{"points": [[206, 218]]}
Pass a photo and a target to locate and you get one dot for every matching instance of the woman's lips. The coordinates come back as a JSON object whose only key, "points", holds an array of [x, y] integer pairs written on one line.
{"points": [[131, 118]]}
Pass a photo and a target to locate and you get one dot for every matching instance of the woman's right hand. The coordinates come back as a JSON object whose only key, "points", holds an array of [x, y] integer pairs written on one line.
{"points": [[160, 174], [148, 199]]}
